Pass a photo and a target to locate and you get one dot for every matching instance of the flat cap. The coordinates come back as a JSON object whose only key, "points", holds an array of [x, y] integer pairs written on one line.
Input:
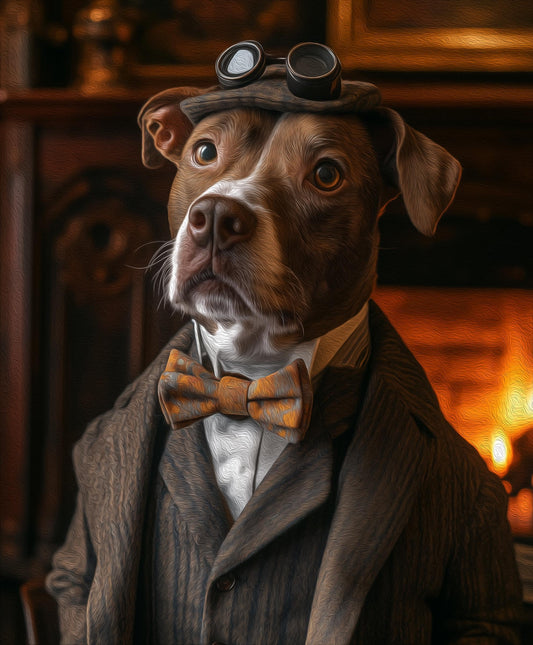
{"points": [[271, 93]]}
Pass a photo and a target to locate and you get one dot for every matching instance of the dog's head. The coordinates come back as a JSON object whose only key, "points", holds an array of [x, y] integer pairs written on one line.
{"points": [[274, 214]]}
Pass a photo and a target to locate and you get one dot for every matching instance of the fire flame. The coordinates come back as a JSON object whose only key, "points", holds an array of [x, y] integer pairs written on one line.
{"points": [[501, 452], [515, 412], [488, 398], [515, 415]]}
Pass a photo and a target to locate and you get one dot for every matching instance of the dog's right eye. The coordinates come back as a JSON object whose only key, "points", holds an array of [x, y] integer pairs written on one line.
{"points": [[205, 153], [326, 176]]}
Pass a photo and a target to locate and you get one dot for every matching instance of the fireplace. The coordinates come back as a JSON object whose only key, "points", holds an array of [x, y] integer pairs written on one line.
{"points": [[476, 346], [477, 349]]}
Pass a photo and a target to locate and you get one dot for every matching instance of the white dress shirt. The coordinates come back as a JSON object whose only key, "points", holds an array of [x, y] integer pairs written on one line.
{"points": [[242, 451]]}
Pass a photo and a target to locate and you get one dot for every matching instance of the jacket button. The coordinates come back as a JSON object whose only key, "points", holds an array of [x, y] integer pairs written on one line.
{"points": [[226, 582]]}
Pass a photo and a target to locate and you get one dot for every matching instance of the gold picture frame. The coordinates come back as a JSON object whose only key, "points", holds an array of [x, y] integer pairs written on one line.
{"points": [[410, 38]]}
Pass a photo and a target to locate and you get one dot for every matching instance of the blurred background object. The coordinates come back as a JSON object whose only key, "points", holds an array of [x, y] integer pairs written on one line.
{"points": [[103, 31]]}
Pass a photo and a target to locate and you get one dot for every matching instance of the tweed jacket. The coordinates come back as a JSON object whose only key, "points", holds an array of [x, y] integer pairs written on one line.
{"points": [[417, 546]]}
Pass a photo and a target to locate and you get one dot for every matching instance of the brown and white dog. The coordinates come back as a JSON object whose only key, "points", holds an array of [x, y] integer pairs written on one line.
{"points": [[275, 216], [381, 524]]}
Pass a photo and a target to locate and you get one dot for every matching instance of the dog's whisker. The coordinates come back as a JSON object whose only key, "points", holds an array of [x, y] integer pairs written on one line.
{"points": [[145, 267], [162, 284], [161, 262], [158, 256], [161, 257], [163, 242]]}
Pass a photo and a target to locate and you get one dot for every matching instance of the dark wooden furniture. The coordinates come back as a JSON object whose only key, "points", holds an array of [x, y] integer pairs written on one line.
{"points": [[40, 613], [80, 219]]}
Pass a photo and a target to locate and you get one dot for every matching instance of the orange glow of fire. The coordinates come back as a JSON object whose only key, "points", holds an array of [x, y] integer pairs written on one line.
{"points": [[515, 412], [520, 512], [477, 349], [517, 401], [515, 416]]}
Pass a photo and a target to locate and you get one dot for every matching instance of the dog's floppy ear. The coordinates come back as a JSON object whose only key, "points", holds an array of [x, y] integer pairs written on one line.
{"points": [[164, 126], [425, 173]]}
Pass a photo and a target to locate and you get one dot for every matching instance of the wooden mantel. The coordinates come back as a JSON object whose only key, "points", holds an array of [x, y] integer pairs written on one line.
{"points": [[43, 104]]}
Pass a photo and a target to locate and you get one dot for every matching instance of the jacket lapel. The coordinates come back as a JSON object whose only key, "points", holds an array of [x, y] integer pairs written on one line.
{"points": [[114, 462], [188, 474], [384, 468], [298, 482], [382, 473]]}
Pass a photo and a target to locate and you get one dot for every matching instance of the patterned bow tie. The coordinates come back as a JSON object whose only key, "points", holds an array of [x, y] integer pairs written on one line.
{"points": [[281, 402]]}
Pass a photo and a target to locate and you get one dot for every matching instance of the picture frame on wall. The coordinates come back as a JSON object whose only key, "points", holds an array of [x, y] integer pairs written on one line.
{"points": [[442, 35]]}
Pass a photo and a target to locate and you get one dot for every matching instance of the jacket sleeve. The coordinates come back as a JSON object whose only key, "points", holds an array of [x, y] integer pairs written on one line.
{"points": [[483, 602], [69, 581]]}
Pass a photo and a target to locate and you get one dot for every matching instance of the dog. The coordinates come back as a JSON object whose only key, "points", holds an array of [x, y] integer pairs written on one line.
{"points": [[377, 525]]}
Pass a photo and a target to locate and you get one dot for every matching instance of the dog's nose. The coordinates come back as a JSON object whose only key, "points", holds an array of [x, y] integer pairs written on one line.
{"points": [[222, 219]]}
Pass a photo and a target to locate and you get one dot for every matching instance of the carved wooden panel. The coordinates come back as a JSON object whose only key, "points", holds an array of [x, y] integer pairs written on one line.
{"points": [[98, 319]]}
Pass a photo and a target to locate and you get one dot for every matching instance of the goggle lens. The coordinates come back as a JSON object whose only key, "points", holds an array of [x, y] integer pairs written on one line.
{"points": [[240, 64], [307, 62], [313, 70]]}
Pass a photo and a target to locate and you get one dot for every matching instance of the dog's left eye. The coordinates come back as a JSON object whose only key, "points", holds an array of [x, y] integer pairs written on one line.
{"points": [[205, 153], [327, 176]]}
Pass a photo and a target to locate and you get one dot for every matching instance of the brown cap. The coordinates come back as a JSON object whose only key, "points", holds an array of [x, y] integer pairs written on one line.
{"points": [[271, 93]]}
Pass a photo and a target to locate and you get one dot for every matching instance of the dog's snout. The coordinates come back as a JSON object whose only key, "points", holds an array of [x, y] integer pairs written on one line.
{"points": [[222, 220]]}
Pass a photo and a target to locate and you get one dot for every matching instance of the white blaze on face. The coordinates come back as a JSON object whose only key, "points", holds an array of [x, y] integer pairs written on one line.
{"points": [[173, 282]]}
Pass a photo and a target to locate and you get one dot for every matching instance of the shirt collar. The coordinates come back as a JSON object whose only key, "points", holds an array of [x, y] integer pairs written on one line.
{"points": [[331, 348]]}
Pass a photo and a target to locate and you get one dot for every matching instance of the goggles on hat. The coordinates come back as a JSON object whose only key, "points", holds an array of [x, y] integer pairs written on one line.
{"points": [[313, 69]]}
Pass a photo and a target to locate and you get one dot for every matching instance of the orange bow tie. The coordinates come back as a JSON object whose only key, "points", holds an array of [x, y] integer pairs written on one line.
{"points": [[281, 402]]}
